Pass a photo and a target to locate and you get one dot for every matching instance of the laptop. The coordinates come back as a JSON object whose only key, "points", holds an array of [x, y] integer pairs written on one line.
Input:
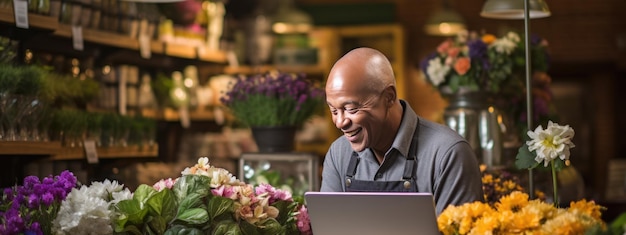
{"points": [[365, 213]]}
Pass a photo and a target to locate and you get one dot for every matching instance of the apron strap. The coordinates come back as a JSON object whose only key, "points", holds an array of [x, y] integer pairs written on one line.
{"points": [[411, 161], [354, 161]]}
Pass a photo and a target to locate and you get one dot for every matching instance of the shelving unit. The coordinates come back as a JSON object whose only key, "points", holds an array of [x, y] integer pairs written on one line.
{"points": [[29, 148], [34, 20], [115, 152], [56, 151]]}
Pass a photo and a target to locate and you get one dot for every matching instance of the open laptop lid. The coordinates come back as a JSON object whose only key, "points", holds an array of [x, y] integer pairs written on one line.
{"points": [[366, 213]]}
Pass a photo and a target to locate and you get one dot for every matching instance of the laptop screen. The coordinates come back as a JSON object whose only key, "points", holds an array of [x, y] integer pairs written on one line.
{"points": [[366, 213]]}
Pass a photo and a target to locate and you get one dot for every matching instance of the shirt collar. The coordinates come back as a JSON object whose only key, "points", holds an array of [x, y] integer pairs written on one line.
{"points": [[402, 141]]}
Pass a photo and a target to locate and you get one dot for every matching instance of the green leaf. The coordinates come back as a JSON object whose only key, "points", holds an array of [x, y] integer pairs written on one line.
{"points": [[218, 206], [193, 200], [227, 228], [284, 208], [189, 184], [163, 204], [133, 211], [194, 216], [182, 230], [271, 227], [132, 229], [143, 193], [618, 225], [249, 229], [525, 159], [158, 224]]}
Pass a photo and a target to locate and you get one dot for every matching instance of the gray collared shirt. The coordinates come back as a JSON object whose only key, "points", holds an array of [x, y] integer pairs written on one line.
{"points": [[446, 164]]}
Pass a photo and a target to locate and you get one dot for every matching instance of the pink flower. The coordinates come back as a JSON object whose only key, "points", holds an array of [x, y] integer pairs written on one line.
{"points": [[224, 191], [462, 65], [164, 183], [444, 46], [453, 52], [303, 221], [264, 188], [273, 193]]}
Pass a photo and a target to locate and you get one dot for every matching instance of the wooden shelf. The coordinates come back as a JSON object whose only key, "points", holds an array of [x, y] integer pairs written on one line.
{"points": [[58, 152], [109, 153], [157, 47], [170, 114], [29, 148], [34, 20], [250, 70]]}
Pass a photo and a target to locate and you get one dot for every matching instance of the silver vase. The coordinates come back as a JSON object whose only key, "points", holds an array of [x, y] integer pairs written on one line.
{"points": [[475, 117]]}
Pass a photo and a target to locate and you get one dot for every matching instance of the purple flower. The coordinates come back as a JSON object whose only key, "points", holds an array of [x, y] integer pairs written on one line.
{"points": [[47, 199], [273, 99], [478, 52]]}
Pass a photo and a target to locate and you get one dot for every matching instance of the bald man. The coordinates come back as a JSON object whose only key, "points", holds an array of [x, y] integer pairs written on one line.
{"points": [[385, 146]]}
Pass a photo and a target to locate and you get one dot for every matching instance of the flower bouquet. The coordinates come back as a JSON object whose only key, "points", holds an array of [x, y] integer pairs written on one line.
{"points": [[273, 99], [515, 213], [472, 62], [204, 200]]}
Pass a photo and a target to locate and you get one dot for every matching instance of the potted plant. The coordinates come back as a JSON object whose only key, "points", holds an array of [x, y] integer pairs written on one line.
{"points": [[272, 102]]}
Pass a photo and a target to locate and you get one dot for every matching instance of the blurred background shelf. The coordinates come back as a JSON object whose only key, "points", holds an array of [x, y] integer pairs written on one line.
{"points": [[115, 152], [34, 20], [29, 148]]}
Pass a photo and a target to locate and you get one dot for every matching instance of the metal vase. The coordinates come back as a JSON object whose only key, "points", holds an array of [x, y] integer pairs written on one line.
{"points": [[474, 116]]}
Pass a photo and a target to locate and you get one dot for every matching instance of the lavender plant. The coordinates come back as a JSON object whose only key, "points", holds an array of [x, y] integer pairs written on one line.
{"points": [[273, 99]]}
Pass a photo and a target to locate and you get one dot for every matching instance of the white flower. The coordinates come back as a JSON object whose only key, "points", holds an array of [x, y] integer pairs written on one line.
{"points": [[437, 71], [104, 189], [555, 141], [83, 213], [513, 37], [121, 196], [504, 45], [203, 162]]}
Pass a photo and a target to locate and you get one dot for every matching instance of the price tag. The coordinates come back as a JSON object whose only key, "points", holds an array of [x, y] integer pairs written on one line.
{"points": [[20, 9], [184, 116], [144, 46], [77, 37], [91, 152]]}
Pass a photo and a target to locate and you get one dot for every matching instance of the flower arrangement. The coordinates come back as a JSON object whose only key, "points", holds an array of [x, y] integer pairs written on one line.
{"points": [[516, 214], [204, 200], [273, 99], [31, 207], [472, 61], [483, 62], [508, 210]]}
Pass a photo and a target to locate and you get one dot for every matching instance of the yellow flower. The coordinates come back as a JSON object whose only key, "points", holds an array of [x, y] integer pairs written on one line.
{"points": [[513, 202], [588, 208]]}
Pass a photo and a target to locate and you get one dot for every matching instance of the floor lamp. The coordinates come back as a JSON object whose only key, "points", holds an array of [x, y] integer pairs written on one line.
{"points": [[520, 9]]}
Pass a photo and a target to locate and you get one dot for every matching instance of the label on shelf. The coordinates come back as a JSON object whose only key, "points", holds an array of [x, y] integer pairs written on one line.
{"points": [[77, 37], [20, 8], [144, 46], [90, 151]]}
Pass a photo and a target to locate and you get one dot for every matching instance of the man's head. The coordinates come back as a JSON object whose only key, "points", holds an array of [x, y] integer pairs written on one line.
{"points": [[361, 94]]}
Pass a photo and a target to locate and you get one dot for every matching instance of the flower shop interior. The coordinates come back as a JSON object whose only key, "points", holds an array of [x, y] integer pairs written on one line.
{"points": [[152, 75]]}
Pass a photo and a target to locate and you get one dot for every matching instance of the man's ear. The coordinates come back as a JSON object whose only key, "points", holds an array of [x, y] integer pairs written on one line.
{"points": [[390, 95]]}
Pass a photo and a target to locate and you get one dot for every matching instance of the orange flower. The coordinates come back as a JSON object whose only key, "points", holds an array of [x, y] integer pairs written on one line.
{"points": [[462, 65], [488, 38]]}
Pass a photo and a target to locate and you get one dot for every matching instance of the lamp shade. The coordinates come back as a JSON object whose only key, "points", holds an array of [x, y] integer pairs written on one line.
{"points": [[444, 22], [514, 9]]}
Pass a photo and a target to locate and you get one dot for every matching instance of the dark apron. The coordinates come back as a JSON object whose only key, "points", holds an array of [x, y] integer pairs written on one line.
{"points": [[407, 184]]}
